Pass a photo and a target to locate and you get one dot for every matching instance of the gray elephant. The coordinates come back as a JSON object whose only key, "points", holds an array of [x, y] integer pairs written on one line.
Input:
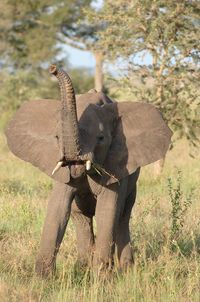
{"points": [[93, 149]]}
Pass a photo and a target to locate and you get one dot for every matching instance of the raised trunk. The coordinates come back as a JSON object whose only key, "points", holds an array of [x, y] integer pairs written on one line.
{"points": [[70, 146]]}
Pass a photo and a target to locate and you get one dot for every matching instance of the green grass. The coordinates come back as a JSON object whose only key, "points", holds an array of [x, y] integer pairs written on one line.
{"points": [[165, 234]]}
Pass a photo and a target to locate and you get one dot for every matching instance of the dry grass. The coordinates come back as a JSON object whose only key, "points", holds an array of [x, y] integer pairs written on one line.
{"points": [[167, 261]]}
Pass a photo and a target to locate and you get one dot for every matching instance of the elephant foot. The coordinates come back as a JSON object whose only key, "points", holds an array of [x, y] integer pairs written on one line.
{"points": [[126, 264], [125, 257], [45, 268], [102, 266], [82, 264]]}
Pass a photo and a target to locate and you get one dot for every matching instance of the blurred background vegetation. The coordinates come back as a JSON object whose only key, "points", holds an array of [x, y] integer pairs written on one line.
{"points": [[153, 45], [32, 35]]}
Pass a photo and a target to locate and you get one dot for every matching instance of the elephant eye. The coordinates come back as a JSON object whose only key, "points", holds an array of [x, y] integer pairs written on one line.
{"points": [[100, 138]]}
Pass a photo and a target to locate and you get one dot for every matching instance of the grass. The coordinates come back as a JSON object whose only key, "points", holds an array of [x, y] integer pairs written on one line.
{"points": [[165, 228]]}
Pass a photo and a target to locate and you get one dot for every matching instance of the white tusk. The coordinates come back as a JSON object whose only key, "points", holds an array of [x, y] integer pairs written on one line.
{"points": [[57, 167], [88, 165]]}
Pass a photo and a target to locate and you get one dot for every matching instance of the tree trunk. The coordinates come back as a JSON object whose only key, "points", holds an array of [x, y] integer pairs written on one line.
{"points": [[99, 71]]}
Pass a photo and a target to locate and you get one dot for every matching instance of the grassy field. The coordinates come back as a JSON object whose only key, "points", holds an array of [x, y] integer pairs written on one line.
{"points": [[165, 235]]}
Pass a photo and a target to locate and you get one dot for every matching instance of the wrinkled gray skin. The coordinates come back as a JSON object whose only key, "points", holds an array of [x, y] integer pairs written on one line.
{"points": [[119, 137]]}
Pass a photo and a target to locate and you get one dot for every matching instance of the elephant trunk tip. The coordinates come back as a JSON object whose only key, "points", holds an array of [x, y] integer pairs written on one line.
{"points": [[53, 69]]}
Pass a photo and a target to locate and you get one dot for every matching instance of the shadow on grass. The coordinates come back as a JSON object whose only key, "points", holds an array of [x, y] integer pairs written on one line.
{"points": [[187, 246]]}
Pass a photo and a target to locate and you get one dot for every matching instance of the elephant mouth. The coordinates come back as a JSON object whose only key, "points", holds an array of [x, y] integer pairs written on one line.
{"points": [[77, 167]]}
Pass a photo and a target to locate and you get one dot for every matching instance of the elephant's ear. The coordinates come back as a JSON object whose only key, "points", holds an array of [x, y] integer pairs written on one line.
{"points": [[140, 138], [31, 135]]}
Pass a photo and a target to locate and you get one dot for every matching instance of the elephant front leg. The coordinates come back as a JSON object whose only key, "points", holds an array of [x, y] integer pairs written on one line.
{"points": [[58, 212]]}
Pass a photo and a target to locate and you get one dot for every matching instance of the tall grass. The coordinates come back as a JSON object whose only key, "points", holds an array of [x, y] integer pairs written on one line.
{"points": [[165, 228]]}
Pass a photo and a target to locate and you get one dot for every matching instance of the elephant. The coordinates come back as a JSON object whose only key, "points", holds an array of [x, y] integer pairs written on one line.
{"points": [[93, 149]]}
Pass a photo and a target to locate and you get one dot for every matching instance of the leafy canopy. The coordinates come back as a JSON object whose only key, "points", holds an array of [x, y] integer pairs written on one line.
{"points": [[31, 34], [159, 40]]}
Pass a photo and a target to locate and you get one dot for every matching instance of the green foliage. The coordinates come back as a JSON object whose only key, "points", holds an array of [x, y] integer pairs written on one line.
{"points": [[23, 86], [180, 206], [30, 31], [17, 88], [31, 38], [158, 40], [83, 79]]}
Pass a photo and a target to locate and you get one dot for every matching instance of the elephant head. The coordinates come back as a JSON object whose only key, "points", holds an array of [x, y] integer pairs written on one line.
{"points": [[87, 134]]}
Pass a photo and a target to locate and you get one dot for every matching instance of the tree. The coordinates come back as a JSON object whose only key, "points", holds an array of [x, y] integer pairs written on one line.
{"points": [[30, 40], [30, 30], [168, 33], [84, 36]]}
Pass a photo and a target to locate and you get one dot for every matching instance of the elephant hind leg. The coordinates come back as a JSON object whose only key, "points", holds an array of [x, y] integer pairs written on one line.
{"points": [[85, 237], [84, 234], [124, 249]]}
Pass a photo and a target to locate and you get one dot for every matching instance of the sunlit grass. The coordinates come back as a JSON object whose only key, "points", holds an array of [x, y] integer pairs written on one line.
{"points": [[163, 270]]}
